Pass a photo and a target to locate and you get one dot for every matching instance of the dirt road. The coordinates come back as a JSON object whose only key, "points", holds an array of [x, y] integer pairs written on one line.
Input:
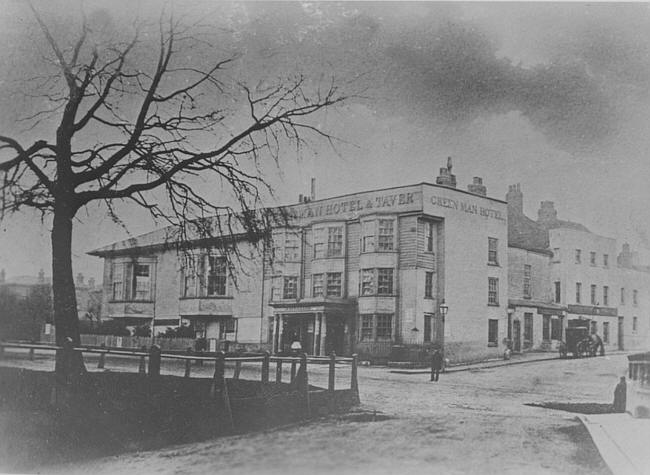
{"points": [[469, 422]]}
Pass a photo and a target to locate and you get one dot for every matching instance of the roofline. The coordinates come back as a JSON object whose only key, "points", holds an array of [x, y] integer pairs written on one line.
{"points": [[547, 252]]}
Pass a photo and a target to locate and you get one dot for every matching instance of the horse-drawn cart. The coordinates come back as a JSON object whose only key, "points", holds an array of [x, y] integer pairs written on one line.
{"points": [[578, 343]]}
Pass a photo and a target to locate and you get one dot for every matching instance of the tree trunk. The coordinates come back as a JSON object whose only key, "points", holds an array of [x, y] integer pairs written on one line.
{"points": [[66, 319]]}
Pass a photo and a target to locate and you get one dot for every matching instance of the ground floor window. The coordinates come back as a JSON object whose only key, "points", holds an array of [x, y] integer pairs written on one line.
{"points": [[546, 327], [374, 327], [528, 330], [556, 329], [427, 327], [493, 332], [606, 332]]}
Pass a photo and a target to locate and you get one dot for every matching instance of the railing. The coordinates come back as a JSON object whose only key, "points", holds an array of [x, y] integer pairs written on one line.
{"points": [[155, 356]]}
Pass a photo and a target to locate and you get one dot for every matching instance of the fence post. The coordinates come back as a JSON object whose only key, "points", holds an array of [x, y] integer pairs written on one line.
{"points": [[330, 383], [31, 354], [188, 363], [141, 368], [154, 361], [2, 350], [237, 370], [293, 370], [278, 372], [303, 382], [354, 382], [220, 386], [102, 357], [265, 367]]}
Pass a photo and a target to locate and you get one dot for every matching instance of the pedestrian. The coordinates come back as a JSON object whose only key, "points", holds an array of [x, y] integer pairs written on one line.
{"points": [[296, 346], [597, 344], [436, 364], [620, 395]]}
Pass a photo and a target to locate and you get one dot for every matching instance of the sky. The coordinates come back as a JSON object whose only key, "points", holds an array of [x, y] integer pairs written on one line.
{"points": [[554, 96]]}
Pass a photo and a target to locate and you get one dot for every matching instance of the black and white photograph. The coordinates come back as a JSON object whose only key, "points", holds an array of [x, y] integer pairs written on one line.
{"points": [[284, 237]]}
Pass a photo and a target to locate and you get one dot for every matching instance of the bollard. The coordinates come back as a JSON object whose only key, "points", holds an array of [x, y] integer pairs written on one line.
{"points": [[237, 370], [219, 371], [330, 383], [188, 368], [278, 372], [265, 367], [142, 367], [293, 370], [354, 382], [102, 357], [154, 361]]}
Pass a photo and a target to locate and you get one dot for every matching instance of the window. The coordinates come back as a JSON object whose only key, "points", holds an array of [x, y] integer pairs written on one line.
{"points": [[131, 281], [291, 247], [556, 329], [290, 289], [527, 271], [605, 295], [368, 236], [622, 295], [216, 273], [556, 254], [335, 241], [118, 283], [605, 260], [592, 294], [493, 291], [386, 231], [578, 256], [384, 281], [493, 332], [528, 330], [227, 326], [366, 328], [428, 285], [367, 282], [635, 297], [317, 285], [384, 326], [635, 323], [546, 327], [578, 292], [319, 243], [189, 282], [333, 284], [605, 332], [427, 327], [594, 327], [592, 258], [428, 236], [558, 292], [492, 251]]}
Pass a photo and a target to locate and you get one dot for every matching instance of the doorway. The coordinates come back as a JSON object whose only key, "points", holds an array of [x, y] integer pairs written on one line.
{"points": [[516, 336]]}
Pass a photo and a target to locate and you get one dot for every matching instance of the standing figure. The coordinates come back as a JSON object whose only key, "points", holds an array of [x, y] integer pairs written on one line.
{"points": [[436, 365], [596, 345], [620, 395]]}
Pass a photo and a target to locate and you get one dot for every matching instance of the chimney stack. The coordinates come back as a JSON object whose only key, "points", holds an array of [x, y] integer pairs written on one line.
{"points": [[625, 257], [547, 212], [313, 189], [477, 187], [515, 199], [446, 178]]}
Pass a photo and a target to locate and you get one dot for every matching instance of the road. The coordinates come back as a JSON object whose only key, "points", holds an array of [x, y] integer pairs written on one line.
{"points": [[470, 422]]}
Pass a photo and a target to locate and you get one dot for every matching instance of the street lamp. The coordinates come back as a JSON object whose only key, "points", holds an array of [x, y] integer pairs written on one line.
{"points": [[443, 309]]}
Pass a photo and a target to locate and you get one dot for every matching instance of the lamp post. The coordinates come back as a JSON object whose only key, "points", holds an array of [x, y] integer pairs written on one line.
{"points": [[443, 309]]}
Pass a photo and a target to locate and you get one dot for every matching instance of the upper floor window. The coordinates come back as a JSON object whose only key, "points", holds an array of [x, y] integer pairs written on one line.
{"points": [[578, 292], [605, 295], [216, 275], [428, 236], [328, 242], [558, 292], [493, 291], [635, 297], [605, 260], [493, 332], [131, 281], [556, 254], [578, 256], [428, 285], [317, 285], [593, 294], [492, 251], [527, 274], [290, 288], [378, 235], [377, 281], [592, 258], [622, 295], [286, 245], [635, 323], [334, 284]]}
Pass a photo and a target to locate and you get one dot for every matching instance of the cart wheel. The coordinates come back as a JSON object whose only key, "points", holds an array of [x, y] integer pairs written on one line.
{"points": [[580, 349]]}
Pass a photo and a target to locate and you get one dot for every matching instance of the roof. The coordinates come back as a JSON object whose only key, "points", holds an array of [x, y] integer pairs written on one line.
{"points": [[27, 280]]}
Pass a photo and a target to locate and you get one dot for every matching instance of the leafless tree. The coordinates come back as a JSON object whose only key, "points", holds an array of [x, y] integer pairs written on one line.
{"points": [[132, 133]]}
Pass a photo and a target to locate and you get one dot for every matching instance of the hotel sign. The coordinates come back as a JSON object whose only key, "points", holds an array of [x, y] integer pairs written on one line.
{"points": [[468, 207], [356, 204]]}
